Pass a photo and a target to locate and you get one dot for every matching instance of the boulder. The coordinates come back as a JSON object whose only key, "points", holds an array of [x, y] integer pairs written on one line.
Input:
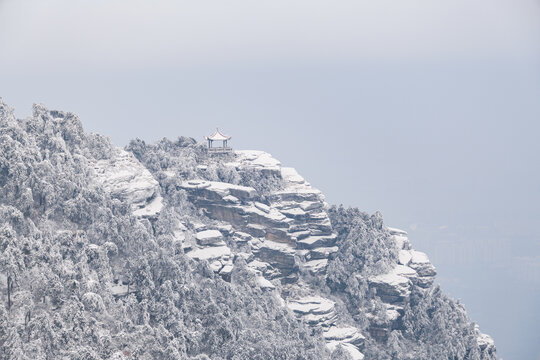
{"points": [[346, 334], [209, 238], [125, 178], [315, 310], [394, 286], [211, 253]]}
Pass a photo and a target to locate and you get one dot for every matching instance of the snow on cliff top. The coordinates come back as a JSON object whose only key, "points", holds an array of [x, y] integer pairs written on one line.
{"points": [[256, 159]]}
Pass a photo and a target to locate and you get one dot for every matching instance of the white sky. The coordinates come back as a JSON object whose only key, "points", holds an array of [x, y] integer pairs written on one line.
{"points": [[56, 34]]}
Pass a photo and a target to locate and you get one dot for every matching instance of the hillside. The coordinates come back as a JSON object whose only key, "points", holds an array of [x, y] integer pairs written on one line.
{"points": [[162, 251]]}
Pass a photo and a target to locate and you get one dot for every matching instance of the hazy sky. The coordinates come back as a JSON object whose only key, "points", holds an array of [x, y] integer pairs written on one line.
{"points": [[426, 110]]}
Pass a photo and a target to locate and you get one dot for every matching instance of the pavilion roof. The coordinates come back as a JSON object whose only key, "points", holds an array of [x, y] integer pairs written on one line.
{"points": [[217, 136]]}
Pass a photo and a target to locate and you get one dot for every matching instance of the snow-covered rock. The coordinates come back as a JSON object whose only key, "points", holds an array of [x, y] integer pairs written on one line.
{"points": [[316, 266], [218, 190], [280, 256], [256, 160], [485, 342], [351, 349], [209, 237], [347, 334], [264, 283], [125, 178], [394, 286], [315, 310], [289, 219], [211, 253]]}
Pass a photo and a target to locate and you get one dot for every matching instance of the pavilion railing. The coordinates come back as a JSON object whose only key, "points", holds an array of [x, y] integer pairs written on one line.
{"points": [[218, 150]]}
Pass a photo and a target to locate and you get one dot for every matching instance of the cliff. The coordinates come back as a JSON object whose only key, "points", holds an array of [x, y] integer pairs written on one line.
{"points": [[167, 252]]}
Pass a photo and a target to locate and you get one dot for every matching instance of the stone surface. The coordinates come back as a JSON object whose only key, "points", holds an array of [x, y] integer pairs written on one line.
{"points": [[211, 253], [125, 178], [285, 223], [280, 256], [209, 237], [315, 310]]}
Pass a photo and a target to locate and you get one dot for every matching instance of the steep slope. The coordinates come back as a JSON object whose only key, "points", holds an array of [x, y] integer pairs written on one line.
{"points": [[166, 252]]}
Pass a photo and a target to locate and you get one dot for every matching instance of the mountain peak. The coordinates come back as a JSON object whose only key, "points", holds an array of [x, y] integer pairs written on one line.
{"points": [[168, 251]]}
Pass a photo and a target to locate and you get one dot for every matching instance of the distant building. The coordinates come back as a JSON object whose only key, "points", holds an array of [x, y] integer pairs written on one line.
{"points": [[218, 136]]}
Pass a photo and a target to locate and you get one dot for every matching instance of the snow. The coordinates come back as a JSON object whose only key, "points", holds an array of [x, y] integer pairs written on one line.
{"points": [[419, 257], [226, 228], [397, 277], [392, 313], [258, 266], [404, 257], [316, 266], [226, 270], [483, 340], [402, 242], [120, 289], [311, 305], [216, 265], [179, 235], [262, 207], [210, 253], [317, 241], [294, 212], [272, 215], [152, 209], [264, 283], [209, 237], [282, 247], [124, 177], [351, 349], [242, 236], [231, 199], [291, 175], [324, 252], [396, 231], [348, 334], [221, 188], [256, 159], [392, 279], [310, 205]]}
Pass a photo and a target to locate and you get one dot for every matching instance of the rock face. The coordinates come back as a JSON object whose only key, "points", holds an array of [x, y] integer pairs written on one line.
{"points": [[394, 288], [288, 232], [102, 239], [125, 178], [290, 227], [285, 231], [320, 312]]}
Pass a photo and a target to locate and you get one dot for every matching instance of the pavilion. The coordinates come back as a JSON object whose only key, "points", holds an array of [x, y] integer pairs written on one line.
{"points": [[218, 136]]}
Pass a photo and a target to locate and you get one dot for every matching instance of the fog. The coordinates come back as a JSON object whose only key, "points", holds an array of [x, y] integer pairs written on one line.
{"points": [[426, 111]]}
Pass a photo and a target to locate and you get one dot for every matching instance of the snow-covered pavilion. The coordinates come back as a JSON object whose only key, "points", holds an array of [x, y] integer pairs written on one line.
{"points": [[218, 136]]}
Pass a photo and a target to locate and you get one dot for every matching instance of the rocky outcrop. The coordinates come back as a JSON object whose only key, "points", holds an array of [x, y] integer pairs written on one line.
{"points": [[286, 229], [317, 311], [394, 287], [485, 342], [125, 178], [210, 237]]}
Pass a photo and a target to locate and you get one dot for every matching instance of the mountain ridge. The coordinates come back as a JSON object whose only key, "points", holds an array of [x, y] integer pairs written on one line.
{"points": [[196, 254]]}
